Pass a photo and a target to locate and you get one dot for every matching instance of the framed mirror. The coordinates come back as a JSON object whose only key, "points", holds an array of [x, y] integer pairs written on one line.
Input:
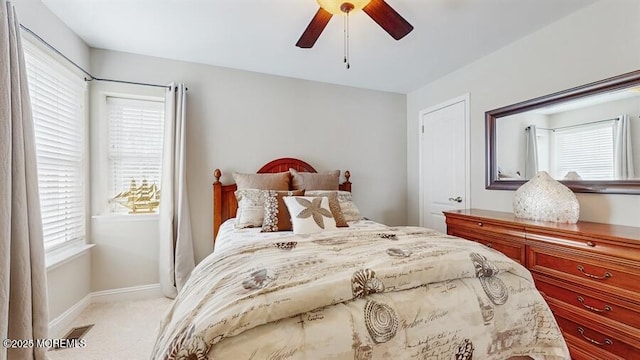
{"points": [[587, 137]]}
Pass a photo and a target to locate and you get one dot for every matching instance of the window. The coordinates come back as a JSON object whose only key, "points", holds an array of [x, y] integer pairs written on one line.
{"points": [[585, 149], [57, 101], [135, 144]]}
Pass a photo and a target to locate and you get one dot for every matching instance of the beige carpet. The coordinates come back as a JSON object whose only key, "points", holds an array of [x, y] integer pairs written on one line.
{"points": [[122, 330]]}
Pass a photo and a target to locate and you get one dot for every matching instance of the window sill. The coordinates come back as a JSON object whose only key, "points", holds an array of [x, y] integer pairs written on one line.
{"points": [[58, 257], [126, 217]]}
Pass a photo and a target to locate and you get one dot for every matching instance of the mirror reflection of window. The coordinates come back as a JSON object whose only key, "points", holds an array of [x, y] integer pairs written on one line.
{"points": [[586, 150], [598, 150], [586, 139]]}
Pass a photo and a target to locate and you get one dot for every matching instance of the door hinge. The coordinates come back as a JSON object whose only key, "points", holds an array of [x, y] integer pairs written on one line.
{"points": [[423, 129]]}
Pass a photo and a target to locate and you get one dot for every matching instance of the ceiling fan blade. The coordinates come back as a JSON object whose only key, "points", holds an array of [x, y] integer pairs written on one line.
{"points": [[314, 29], [388, 19]]}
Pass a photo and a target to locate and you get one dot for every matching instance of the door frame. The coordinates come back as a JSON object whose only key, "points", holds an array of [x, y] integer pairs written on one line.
{"points": [[462, 98]]}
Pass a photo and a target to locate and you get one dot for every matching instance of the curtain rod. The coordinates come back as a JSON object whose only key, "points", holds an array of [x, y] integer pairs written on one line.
{"points": [[572, 126], [91, 77]]}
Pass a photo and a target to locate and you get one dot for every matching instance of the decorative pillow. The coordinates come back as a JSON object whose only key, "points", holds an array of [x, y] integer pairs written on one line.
{"points": [[250, 208], [315, 181], [276, 214], [334, 205], [275, 181], [349, 209], [310, 214]]}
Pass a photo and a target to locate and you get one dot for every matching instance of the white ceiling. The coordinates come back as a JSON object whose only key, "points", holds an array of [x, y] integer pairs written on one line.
{"points": [[260, 35]]}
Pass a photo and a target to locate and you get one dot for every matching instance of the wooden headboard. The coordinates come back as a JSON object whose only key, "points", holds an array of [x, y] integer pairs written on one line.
{"points": [[225, 204]]}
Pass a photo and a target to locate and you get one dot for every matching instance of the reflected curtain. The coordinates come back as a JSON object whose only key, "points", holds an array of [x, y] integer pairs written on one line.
{"points": [[23, 293], [176, 245], [623, 150], [531, 152]]}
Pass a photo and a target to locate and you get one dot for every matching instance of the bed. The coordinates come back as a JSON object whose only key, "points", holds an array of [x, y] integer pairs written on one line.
{"points": [[365, 291]]}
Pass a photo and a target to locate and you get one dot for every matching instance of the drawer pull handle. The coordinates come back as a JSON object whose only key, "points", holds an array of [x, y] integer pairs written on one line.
{"points": [[590, 243], [605, 276], [479, 224], [489, 245], [606, 307], [607, 341]]}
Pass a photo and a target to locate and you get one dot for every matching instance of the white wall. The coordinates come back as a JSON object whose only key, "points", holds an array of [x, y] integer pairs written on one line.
{"points": [[68, 283], [38, 18], [126, 252], [598, 42], [238, 121]]}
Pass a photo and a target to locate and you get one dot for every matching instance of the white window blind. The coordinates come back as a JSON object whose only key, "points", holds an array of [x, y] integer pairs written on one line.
{"points": [[57, 101], [135, 143], [587, 150]]}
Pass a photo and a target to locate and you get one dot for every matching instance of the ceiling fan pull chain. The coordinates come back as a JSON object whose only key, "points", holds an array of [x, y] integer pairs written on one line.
{"points": [[346, 39]]}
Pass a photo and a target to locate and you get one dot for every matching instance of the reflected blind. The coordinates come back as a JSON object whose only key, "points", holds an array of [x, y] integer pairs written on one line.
{"points": [[587, 150], [135, 143], [57, 102]]}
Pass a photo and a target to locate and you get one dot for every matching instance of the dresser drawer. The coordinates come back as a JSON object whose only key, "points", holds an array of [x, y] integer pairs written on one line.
{"points": [[594, 338], [580, 351], [588, 243], [511, 247], [599, 306], [479, 225], [617, 278]]}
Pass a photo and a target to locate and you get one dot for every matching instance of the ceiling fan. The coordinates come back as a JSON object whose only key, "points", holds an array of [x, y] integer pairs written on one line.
{"points": [[378, 10]]}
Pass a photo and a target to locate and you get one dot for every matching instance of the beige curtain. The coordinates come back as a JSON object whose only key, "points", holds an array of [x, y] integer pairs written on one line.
{"points": [[531, 155], [23, 300], [176, 246], [623, 150]]}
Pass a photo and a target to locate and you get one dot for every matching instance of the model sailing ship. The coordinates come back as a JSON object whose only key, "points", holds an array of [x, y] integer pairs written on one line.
{"points": [[139, 199]]}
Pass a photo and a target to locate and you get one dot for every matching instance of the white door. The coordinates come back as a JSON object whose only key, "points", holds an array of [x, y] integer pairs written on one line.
{"points": [[444, 161]]}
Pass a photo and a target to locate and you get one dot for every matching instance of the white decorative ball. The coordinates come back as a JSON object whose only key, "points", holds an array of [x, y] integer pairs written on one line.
{"points": [[544, 199]]}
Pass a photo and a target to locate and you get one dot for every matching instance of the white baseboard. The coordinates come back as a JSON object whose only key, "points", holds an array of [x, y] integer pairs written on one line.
{"points": [[62, 323], [127, 294]]}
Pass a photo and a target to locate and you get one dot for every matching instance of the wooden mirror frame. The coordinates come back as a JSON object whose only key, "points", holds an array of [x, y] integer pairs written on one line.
{"points": [[587, 186]]}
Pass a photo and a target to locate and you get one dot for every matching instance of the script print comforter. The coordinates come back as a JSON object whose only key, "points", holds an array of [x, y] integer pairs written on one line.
{"points": [[386, 293]]}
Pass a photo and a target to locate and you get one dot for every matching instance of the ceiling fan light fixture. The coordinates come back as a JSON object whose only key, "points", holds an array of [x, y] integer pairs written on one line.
{"points": [[378, 10], [335, 6]]}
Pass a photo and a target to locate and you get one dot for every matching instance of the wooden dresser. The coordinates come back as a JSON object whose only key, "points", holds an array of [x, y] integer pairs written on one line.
{"points": [[589, 273]]}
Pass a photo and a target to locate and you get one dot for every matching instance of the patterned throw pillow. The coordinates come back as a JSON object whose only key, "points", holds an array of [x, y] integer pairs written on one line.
{"points": [[334, 205], [349, 209], [310, 214], [276, 214], [250, 208], [329, 180]]}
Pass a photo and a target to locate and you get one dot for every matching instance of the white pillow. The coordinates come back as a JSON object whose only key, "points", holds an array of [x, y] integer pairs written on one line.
{"points": [[310, 214], [250, 211], [349, 209]]}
